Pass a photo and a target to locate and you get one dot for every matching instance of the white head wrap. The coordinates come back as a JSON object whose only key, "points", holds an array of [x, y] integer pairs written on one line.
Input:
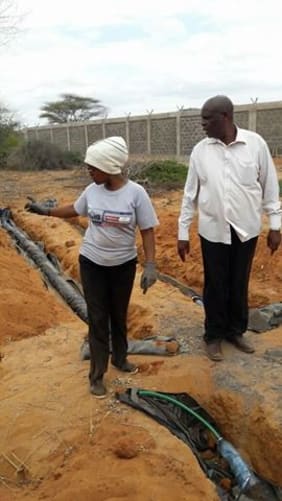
{"points": [[108, 155]]}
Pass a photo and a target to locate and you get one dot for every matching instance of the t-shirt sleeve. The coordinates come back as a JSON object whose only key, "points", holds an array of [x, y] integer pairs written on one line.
{"points": [[145, 213], [80, 205]]}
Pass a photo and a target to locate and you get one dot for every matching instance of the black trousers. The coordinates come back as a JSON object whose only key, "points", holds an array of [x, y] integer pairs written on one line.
{"points": [[107, 291], [226, 279]]}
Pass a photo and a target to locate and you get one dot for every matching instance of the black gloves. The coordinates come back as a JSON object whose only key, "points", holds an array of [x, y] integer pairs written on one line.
{"points": [[149, 276], [37, 208]]}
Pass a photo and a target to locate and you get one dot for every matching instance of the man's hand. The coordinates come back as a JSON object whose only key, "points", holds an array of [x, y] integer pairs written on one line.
{"points": [[148, 277], [183, 248], [273, 240], [37, 208]]}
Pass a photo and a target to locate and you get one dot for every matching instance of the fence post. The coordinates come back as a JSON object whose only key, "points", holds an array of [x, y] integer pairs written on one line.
{"points": [[68, 137], [178, 130], [86, 136], [25, 133], [104, 126], [252, 118], [127, 135], [149, 114], [51, 135]]}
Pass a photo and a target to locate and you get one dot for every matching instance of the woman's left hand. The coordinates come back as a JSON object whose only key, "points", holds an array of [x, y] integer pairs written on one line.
{"points": [[148, 277]]}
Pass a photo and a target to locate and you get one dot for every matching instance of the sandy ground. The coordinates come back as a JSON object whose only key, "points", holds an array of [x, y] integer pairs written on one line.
{"points": [[71, 445]]}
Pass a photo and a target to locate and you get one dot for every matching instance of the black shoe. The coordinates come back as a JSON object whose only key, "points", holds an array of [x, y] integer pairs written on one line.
{"points": [[98, 389], [127, 367]]}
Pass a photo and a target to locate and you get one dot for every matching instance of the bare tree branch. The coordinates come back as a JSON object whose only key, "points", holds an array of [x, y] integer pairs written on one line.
{"points": [[9, 20]]}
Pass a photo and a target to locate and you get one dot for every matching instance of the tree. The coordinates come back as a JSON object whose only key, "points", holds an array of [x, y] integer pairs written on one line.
{"points": [[8, 20], [72, 108], [9, 134]]}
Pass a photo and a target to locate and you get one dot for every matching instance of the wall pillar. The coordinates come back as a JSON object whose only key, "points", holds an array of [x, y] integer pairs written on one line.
{"points": [[25, 134], [86, 136], [252, 118], [149, 147], [178, 131], [68, 138], [127, 135], [104, 126]]}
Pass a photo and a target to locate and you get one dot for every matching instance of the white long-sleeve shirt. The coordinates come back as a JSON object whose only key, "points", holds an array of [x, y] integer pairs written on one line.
{"points": [[230, 185]]}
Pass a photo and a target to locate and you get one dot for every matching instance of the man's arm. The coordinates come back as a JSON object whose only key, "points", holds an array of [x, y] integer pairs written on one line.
{"points": [[188, 208], [270, 201]]}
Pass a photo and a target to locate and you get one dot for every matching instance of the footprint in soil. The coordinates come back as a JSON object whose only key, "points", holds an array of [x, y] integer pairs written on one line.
{"points": [[150, 368]]}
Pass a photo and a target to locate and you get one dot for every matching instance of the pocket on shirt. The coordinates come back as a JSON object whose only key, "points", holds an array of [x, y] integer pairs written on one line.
{"points": [[247, 173]]}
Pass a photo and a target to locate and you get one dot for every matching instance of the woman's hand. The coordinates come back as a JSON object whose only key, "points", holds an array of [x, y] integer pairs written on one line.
{"points": [[149, 276]]}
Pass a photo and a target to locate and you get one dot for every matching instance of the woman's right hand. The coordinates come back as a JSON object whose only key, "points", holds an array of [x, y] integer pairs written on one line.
{"points": [[37, 208]]}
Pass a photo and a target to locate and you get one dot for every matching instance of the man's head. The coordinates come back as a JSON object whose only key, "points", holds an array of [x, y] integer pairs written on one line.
{"points": [[217, 117]]}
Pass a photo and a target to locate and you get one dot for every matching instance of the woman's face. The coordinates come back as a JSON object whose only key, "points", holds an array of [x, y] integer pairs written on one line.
{"points": [[98, 176]]}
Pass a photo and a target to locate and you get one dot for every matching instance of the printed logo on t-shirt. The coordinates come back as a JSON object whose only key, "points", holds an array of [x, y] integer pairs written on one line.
{"points": [[109, 218]]}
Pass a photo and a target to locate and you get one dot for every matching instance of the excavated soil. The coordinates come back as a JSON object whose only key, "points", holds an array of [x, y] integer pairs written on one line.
{"points": [[59, 443]]}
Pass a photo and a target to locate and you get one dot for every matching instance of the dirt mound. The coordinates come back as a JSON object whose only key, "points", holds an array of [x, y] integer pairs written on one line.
{"points": [[27, 307]]}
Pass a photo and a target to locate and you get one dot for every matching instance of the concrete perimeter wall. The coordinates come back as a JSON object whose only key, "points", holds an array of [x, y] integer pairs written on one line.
{"points": [[164, 134]]}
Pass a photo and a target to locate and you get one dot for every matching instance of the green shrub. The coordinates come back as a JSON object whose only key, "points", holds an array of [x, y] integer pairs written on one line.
{"points": [[163, 174], [73, 157], [38, 155], [9, 140], [166, 171], [280, 187]]}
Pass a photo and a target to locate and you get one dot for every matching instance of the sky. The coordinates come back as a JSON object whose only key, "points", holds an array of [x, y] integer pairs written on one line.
{"points": [[140, 57]]}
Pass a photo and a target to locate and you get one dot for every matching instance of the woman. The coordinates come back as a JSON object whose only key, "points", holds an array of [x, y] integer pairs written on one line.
{"points": [[115, 207]]}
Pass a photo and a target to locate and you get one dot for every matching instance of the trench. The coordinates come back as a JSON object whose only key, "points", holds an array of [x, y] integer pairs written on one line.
{"points": [[67, 290], [70, 291], [217, 457], [75, 300]]}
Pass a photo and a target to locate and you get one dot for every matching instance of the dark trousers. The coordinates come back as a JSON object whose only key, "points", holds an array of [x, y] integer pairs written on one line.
{"points": [[226, 279], [107, 291]]}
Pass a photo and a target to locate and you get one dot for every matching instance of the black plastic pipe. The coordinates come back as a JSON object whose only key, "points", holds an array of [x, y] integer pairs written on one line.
{"points": [[72, 297]]}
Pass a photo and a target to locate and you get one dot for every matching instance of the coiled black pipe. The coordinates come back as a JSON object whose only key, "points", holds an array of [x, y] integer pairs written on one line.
{"points": [[72, 297]]}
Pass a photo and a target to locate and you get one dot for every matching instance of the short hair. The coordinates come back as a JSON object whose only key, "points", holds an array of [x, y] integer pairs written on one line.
{"points": [[221, 104]]}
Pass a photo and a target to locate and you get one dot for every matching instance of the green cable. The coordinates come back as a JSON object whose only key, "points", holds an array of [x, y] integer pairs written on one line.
{"points": [[183, 406]]}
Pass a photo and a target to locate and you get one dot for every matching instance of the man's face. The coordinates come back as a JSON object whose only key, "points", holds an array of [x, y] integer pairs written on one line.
{"points": [[213, 122]]}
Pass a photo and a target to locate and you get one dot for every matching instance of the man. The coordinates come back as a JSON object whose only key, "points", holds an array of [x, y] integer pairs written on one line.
{"points": [[231, 180]]}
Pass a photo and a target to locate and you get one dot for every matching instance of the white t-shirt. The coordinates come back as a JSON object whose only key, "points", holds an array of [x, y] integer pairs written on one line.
{"points": [[113, 218]]}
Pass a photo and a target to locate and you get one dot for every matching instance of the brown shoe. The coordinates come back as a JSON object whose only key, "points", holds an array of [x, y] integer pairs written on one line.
{"points": [[127, 367], [241, 344], [214, 351]]}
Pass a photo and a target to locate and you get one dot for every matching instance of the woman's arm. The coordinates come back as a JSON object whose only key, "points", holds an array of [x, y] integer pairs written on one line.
{"points": [[41, 209], [148, 240], [149, 275], [65, 211]]}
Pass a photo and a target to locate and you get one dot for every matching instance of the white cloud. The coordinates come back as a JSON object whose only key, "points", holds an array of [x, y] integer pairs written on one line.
{"points": [[154, 55]]}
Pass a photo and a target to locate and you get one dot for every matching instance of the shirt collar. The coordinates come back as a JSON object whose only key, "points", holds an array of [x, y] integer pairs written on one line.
{"points": [[240, 138]]}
